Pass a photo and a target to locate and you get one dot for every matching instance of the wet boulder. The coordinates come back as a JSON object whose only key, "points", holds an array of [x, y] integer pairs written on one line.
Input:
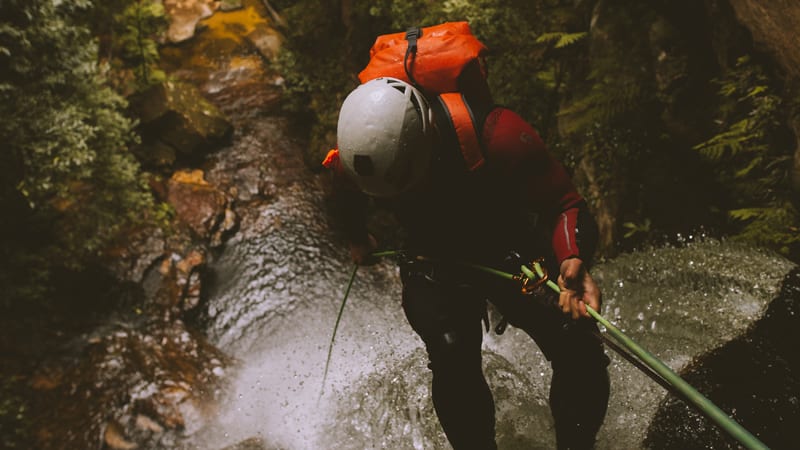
{"points": [[184, 16], [795, 173], [230, 5], [200, 206], [129, 385], [266, 41], [136, 252], [775, 26], [253, 443], [177, 124], [174, 287]]}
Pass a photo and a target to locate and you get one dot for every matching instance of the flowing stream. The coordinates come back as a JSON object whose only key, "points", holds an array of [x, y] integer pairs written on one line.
{"points": [[277, 286]]}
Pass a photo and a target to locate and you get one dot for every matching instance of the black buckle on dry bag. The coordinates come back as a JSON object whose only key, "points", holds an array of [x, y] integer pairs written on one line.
{"points": [[412, 34]]}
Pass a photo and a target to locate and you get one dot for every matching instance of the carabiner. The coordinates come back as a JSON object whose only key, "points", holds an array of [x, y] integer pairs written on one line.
{"points": [[528, 283]]}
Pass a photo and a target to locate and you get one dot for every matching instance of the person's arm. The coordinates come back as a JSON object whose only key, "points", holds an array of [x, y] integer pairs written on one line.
{"points": [[517, 151], [349, 211]]}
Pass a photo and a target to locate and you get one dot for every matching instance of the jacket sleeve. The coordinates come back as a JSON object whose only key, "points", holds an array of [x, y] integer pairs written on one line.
{"points": [[515, 152], [348, 204]]}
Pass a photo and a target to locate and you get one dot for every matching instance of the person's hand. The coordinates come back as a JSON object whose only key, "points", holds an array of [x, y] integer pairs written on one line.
{"points": [[361, 252], [578, 289]]}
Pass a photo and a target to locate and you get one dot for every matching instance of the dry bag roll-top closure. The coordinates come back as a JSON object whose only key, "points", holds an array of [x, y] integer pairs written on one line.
{"points": [[445, 62]]}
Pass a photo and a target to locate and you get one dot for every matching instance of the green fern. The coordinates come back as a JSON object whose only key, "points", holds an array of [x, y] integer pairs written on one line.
{"points": [[776, 226], [745, 214], [608, 99], [560, 39], [749, 160], [569, 38], [736, 139], [635, 228]]}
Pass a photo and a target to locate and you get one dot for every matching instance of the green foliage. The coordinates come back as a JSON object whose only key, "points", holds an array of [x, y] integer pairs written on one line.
{"points": [[561, 39], [632, 229], [68, 184], [142, 21], [510, 30], [750, 158], [611, 97], [776, 226], [612, 85], [15, 420], [749, 115]]}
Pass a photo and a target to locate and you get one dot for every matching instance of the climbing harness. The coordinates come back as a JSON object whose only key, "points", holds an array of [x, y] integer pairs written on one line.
{"points": [[535, 275]]}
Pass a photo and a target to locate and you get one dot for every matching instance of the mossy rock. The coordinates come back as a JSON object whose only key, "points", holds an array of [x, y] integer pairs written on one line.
{"points": [[176, 115]]}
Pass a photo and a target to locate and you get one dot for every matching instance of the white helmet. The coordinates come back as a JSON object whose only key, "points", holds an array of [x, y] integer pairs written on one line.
{"points": [[384, 136]]}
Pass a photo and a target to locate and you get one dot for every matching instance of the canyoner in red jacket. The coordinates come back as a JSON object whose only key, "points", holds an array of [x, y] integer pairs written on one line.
{"points": [[511, 197]]}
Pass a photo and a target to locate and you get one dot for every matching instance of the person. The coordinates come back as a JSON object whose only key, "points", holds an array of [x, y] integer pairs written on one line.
{"points": [[516, 202]]}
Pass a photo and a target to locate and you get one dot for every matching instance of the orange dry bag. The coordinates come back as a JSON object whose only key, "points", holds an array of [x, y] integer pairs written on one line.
{"points": [[446, 63], [431, 58]]}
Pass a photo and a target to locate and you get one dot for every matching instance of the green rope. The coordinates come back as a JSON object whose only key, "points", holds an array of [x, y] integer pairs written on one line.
{"points": [[690, 393], [489, 270], [336, 327]]}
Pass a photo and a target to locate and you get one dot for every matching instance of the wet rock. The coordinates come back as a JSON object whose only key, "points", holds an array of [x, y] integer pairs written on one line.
{"points": [[113, 437], [184, 15], [177, 284], [754, 378], [229, 224], [795, 172], [145, 385], [775, 25], [156, 154], [227, 64], [138, 251], [189, 278], [145, 423], [198, 204], [267, 41], [254, 443], [230, 5], [177, 123]]}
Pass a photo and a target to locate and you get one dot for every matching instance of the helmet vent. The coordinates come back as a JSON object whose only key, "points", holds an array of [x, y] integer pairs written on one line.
{"points": [[417, 107], [363, 165]]}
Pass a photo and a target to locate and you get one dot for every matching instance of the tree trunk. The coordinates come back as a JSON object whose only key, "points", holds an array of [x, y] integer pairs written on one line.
{"points": [[604, 204]]}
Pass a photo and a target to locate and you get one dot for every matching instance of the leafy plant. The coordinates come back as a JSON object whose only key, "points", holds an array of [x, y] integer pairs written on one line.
{"points": [[751, 158], [636, 228], [142, 22], [561, 39], [68, 183]]}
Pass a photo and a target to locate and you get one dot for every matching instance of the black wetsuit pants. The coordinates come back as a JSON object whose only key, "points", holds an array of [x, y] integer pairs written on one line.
{"points": [[446, 309]]}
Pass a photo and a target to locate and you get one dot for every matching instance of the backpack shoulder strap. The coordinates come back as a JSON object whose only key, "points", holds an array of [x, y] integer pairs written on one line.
{"points": [[460, 123]]}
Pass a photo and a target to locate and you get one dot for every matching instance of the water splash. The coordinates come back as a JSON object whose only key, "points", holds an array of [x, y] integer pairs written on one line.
{"points": [[676, 302]]}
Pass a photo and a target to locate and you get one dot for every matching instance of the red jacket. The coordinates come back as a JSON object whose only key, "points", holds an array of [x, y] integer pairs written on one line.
{"points": [[521, 199]]}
